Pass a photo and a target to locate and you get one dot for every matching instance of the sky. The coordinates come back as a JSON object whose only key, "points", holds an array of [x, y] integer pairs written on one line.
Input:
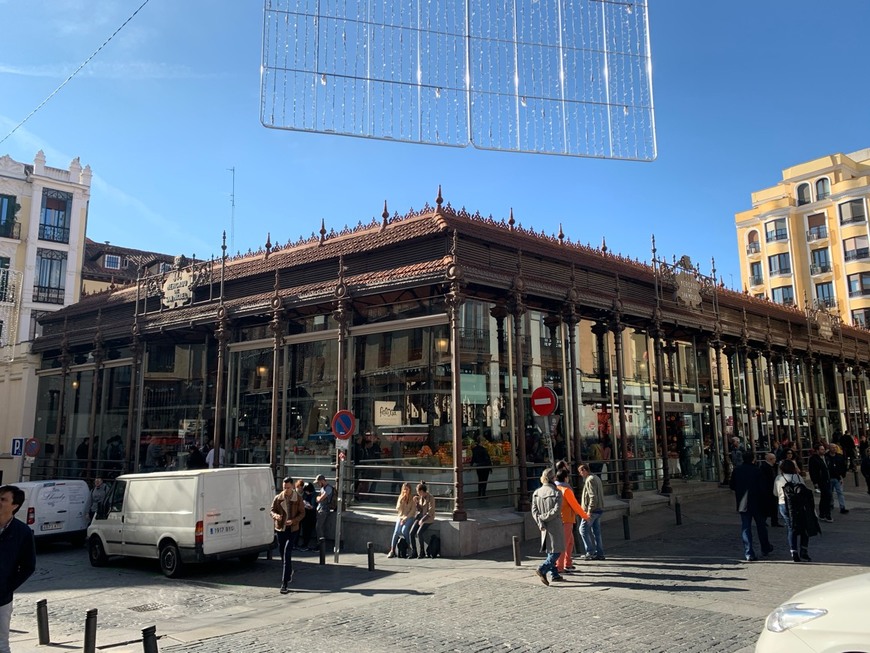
{"points": [[742, 90]]}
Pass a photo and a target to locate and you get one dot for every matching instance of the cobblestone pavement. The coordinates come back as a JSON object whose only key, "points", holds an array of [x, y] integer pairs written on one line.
{"points": [[668, 588]]}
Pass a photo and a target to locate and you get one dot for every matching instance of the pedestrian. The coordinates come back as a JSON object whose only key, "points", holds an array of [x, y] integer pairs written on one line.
{"points": [[406, 509], [425, 517], [98, 495], [796, 509], [748, 485], [838, 466], [324, 499], [736, 452], [547, 513], [287, 513], [788, 454], [820, 475], [309, 522], [480, 459], [865, 468], [571, 510], [209, 458], [17, 555], [195, 458], [592, 501], [847, 443], [768, 496]]}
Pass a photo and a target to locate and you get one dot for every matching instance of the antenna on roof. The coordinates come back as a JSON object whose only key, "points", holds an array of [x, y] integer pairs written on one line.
{"points": [[233, 210]]}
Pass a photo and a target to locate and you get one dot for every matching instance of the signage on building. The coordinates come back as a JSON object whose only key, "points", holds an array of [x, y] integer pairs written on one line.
{"points": [[386, 414], [17, 446], [178, 289]]}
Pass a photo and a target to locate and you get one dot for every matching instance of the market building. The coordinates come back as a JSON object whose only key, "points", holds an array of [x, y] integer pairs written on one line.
{"points": [[433, 329]]}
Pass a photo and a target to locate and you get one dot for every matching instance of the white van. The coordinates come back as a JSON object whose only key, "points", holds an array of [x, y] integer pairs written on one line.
{"points": [[185, 516], [56, 509]]}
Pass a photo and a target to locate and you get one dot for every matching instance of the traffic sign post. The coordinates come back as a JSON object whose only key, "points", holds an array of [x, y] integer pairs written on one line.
{"points": [[544, 403], [343, 424], [17, 446]]}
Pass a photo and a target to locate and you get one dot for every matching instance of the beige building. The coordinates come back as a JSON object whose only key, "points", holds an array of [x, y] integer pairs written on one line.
{"points": [[108, 266], [43, 218], [805, 240]]}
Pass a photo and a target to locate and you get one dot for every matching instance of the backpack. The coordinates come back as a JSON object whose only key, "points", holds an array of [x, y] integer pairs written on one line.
{"points": [[333, 499], [434, 548], [797, 497], [402, 548]]}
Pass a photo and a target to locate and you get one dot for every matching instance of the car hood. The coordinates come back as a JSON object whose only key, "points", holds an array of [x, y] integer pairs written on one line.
{"points": [[844, 591]]}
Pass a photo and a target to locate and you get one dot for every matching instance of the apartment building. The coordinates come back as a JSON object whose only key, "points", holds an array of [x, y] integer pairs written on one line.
{"points": [[805, 240], [43, 218]]}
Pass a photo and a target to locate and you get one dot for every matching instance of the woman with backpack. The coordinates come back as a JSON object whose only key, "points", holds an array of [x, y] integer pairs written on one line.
{"points": [[796, 509]]}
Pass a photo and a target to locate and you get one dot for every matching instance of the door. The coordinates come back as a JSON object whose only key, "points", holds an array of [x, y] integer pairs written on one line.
{"points": [[221, 512], [255, 486], [110, 523]]}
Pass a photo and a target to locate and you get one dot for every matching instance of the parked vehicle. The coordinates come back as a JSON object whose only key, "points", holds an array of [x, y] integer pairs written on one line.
{"points": [[56, 509], [185, 517], [827, 618]]}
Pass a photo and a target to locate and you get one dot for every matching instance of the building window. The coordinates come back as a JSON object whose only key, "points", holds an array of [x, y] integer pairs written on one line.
{"points": [[6, 290], [35, 326], [784, 295], [756, 278], [825, 295], [856, 248], [859, 284], [779, 264], [861, 317], [165, 267], [803, 194], [50, 276], [821, 261], [752, 245], [759, 295], [816, 227], [852, 211], [8, 209], [54, 220], [823, 189], [776, 230], [112, 262]]}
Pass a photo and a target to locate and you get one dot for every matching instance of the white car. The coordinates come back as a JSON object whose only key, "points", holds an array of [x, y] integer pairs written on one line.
{"points": [[827, 618]]}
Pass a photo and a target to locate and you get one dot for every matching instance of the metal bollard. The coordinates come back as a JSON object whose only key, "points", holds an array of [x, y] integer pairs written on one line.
{"points": [[91, 631], [516, 542], [149, 639], [678, 511], [370, 549], [322, 546], [857, 484], [42, 622], [626, 531]]}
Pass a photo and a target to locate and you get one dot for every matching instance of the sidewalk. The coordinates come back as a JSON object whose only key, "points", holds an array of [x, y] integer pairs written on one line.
{"points": [[667, 588]]}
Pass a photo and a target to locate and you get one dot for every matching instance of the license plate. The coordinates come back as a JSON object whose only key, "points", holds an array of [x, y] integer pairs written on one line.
{"points": [[52, 526]]}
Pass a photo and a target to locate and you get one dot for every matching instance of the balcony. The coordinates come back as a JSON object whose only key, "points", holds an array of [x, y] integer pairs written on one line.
{"points": [[756, 280], [54, 234], [779, 234], [825, 302], [859, 292], [817, 233], [11, 229], [48, 295], [854, 219], [857, 254], [819, 268], [781, 272], [753, 248]]}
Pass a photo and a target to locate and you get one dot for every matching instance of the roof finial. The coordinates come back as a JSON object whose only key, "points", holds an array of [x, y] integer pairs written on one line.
{"points": [[511, 220], [385, 215], [268, 244], [603, 245], [561, 235], [438, 201], [322, 231]]}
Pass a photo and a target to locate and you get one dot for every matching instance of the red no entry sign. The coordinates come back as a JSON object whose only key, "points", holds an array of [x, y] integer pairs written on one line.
{"points": [[544, 401], [343, 424]]}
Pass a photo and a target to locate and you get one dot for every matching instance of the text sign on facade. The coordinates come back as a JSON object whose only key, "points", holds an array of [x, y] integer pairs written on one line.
{"points": [[343, 424], [17, 446], [178, 289], [544, 401]]}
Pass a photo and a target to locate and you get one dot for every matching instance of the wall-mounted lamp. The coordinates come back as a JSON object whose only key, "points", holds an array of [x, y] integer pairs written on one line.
{"points": [[262, 370], [442, 345], [75, 384]]}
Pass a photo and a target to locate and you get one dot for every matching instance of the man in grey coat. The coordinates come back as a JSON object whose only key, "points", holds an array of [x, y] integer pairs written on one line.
{"points": [[547, 513]]}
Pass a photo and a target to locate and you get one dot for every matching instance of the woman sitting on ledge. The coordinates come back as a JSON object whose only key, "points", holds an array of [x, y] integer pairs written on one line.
{"points": [[406, 509]]}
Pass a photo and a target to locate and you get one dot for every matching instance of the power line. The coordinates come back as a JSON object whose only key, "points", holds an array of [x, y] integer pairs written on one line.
{"points": [[74, 73]]}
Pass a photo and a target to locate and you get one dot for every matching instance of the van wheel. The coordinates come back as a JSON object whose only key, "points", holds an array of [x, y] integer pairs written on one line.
{"points": [[96, 552], [170, 561]]}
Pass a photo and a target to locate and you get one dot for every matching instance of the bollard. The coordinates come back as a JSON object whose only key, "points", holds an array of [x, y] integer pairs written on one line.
{"points": [[42, 622], [370, 549], [678, 510], [626, 531], [516, 541], [857, 484], [322, 545], [91, 631], [149, 639]]}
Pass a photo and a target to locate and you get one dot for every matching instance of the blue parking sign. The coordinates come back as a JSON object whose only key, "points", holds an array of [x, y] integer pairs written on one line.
{"points": [[17, 446]]}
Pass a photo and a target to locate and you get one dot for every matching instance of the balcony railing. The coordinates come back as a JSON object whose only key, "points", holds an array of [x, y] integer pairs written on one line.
{"points": [[820, 268], [756, 280], [857, 254], [779, 234], [780, 272], [54, 234], [859, 292], [10, 230], [753, 248], [785, 301], [852, 219], [825, 302], [817, 233], [48, 295]]}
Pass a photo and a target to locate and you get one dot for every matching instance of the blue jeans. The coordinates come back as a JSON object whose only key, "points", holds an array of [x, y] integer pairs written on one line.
{"points": [[790, 532], [549, 565], [590, 532], [403, 529], [746, 519], [286, 542], [837, 489]]}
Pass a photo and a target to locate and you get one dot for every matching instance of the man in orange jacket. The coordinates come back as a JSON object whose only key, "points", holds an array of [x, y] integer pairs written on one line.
{"points": [[570, 510]]}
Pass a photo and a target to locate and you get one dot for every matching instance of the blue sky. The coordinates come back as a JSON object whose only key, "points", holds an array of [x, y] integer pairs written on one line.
{"points": [[742, 90]]}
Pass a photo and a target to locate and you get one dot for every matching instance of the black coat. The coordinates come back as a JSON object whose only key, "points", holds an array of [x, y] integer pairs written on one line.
{"points": [[17, 558], [747, 483], [820, 475]]}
